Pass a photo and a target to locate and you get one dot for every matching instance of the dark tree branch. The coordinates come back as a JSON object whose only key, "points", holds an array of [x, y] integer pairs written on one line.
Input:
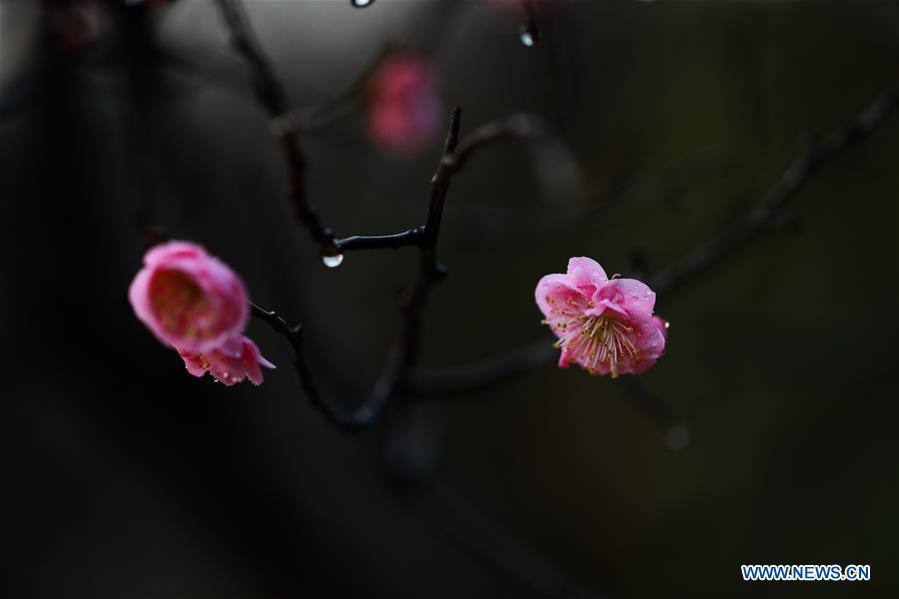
{"points": [[313, 117], [394, 376], [350, 420], [396, 373], [310, 118], [405, 349], [774, 204], [480, 375], [404, 354], [676, 434], [381, 242], [521, 126], [489, 230], [286, 126], [465, 525], [768, 210], [271, 94]]}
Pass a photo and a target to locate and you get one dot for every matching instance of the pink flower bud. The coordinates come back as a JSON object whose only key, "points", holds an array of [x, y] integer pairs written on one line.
{"points": [[229, 368], [605, 326], [194, 303], [403, 105], [190, 300]]}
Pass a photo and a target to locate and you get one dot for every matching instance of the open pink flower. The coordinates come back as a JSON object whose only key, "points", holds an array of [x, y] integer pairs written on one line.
{"points": [[403, 105], [605, 326], [228, 368], [190, 300]]}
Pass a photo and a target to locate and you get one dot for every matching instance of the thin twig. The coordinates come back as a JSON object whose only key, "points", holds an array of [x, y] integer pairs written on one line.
{"points": [[489, 226], [402, 357], [272, 96], [286, 126], [381, 242], [312, 117], [676, 434], [454, 159], [350, 420], [774, 204], [480, 375], [405, 349], [520, 126], [461, 522]]}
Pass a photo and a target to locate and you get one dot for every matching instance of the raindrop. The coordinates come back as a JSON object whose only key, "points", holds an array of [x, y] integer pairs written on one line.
{"points": [[361, 3], [332, 261], [526, 37]]}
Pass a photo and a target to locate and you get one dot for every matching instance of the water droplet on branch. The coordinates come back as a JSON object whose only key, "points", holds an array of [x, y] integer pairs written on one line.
{"points": [[526, 37], [332, 261]]}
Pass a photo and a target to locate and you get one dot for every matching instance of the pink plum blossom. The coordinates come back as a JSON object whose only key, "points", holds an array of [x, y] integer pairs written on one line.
{"points": [[190, 300], [226, 368], [604, 325], [196, 304], [403, 105]]}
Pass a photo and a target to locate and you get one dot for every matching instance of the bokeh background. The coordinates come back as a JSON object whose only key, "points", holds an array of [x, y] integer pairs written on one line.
{"points": [[122, 476]]}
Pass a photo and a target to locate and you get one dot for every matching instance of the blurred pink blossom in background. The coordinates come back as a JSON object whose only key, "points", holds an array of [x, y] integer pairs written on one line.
{"points": [[605, 326], [404, 108], [196, 304]]}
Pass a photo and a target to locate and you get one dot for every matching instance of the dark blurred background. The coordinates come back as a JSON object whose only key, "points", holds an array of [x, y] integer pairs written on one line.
{"points": [[122, 476]]}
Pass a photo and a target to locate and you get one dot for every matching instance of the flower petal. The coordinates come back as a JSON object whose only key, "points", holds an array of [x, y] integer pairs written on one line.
{"points": [[632, 295], [172, 250], [586, 274], [662, 324], [558, 299], [194, 363]]}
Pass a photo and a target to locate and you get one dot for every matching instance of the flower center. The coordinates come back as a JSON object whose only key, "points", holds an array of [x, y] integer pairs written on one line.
{"points": [[604, 341], [178, 302]]}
